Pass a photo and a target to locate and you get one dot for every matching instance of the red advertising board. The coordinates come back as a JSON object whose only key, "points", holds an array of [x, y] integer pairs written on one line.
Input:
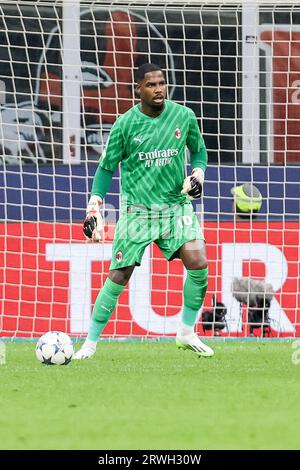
{"points": [[50, 278], [285, 46]]}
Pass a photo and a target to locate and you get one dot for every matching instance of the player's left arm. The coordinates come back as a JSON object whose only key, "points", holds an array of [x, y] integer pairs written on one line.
{"points": [[193, 184]]}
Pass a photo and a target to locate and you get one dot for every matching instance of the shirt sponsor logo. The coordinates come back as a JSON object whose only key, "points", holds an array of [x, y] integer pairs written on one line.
{"points": [[158, 157]]}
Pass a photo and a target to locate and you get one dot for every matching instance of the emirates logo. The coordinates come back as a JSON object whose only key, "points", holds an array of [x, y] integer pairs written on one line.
{"points": [[177, 133]]}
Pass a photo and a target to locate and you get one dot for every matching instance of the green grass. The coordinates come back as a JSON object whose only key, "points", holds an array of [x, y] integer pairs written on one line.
{"points": [[152, 396]]}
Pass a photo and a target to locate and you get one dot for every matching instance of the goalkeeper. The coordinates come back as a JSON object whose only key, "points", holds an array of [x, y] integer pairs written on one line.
{"points": [[149, 142]]}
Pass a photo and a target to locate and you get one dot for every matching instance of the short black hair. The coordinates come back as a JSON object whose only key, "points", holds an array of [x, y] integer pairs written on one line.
{"points": [[145, 68]]}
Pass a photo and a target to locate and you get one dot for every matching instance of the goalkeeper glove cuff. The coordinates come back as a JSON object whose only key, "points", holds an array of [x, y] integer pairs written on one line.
{"points": [[93, 223], [192, 185]]}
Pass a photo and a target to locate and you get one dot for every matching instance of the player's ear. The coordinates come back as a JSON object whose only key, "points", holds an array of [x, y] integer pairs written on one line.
{"points": [[138, 89]]}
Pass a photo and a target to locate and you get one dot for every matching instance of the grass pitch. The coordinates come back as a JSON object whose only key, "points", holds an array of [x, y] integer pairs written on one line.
{"points": [[152, 396]]}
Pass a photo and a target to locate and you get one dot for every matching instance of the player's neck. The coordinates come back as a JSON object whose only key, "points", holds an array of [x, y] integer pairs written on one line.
{"points": [[150, 111]]}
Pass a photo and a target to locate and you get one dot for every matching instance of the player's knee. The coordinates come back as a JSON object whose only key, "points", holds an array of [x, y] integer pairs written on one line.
{"points": [[197, 263], [121, 276]]}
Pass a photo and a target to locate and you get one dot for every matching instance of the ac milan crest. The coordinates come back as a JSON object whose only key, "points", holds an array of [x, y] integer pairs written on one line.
{"points": [[119, 256], [177, 133]]}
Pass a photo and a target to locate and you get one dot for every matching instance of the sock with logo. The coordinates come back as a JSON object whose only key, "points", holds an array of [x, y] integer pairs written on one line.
{"points": [[104, 306], [194, 291]]}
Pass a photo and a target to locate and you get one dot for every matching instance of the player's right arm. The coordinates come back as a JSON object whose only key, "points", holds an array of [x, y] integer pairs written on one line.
{"points": [[109, 161]]}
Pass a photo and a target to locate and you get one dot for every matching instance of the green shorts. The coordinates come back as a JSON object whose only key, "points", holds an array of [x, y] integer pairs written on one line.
{"points": [[169, 228]]}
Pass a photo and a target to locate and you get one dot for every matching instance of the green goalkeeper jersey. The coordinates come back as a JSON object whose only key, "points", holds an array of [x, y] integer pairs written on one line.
{"points": [[152, 153]]}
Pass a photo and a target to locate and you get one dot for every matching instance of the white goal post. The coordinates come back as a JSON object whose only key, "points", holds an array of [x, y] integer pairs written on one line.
{"points": [[66, 73]]}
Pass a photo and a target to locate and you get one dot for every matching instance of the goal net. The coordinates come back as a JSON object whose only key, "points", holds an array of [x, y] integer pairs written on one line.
{"points": [[66, 73]]}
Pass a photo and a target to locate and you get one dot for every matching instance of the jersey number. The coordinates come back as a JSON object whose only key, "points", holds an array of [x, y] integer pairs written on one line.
{"points": [[185, 220]]}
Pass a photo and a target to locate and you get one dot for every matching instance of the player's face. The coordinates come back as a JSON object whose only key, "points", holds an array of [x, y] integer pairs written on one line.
{"points": [[152, 91]]}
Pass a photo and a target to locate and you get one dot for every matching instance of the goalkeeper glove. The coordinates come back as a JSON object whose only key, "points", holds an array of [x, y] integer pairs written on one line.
{"points": [[192, 185], [93, 223]]}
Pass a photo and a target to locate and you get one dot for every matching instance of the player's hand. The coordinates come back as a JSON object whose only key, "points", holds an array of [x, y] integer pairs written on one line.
{"points": [[192, 185], [93, 223]]}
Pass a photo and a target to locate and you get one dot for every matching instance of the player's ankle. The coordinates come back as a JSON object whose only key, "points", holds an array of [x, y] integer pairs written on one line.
{"points": [[90, 344], [184, 330]]}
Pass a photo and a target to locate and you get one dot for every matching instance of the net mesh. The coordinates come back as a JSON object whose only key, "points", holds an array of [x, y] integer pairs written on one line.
{"points": [[66, 74]]}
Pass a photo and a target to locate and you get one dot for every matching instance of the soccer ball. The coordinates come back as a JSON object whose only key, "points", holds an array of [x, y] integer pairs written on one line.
{"points": [[54, 347]]}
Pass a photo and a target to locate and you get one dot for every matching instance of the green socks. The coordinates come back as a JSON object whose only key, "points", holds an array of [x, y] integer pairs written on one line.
{"points": [[104, 306], [193, 295]]}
